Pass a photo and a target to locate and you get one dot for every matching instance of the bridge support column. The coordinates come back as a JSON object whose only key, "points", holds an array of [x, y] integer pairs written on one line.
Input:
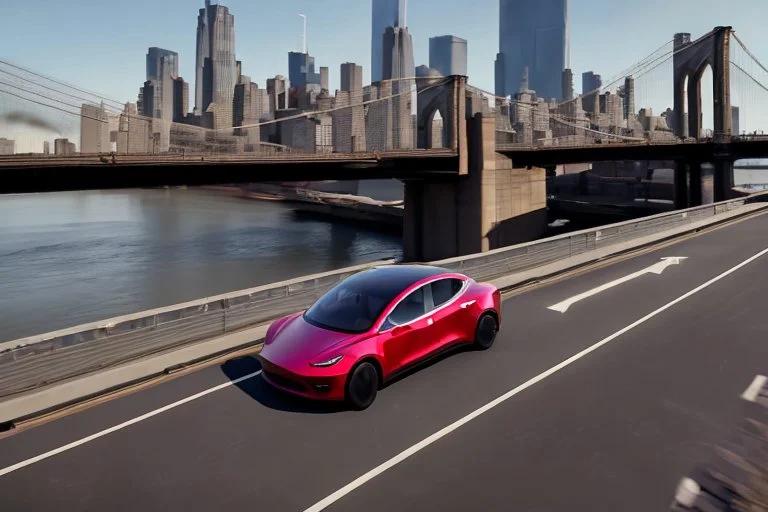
{"points": [[723, 180], [695, 198], [493, 206], [681, 185]]}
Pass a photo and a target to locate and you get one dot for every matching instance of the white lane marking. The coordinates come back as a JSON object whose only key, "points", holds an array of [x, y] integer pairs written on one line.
{"points": [[753, 391], [75, 444], [370, 475], [656, 268]]}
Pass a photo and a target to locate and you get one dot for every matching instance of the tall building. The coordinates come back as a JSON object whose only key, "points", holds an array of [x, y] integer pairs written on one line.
{"points": [[180, 99], [567, 84], [735, 127], [278, 89], [7, 146], [155, 63], [63, 147], [216, 66], [46, 147], [251, 104], [324, 78], [349, 123], [448, 55], [533, 34], [629, 97], [590, 90], [386, 13], [301, 69], [398, 66], [94, 129]]}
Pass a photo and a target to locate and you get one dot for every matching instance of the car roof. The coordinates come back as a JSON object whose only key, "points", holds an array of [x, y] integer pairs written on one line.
{"points": [[400, 276]]}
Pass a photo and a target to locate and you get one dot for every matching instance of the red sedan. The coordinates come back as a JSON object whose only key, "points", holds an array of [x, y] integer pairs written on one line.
{"points": [[374, 325]]}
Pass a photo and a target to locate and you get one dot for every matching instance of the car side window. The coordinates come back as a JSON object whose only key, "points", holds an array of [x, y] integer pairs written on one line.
{"points": [[444, 290], [409, 309]]}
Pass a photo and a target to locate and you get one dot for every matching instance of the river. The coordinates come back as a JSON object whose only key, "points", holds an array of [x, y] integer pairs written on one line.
{"points": [[75, 257]]}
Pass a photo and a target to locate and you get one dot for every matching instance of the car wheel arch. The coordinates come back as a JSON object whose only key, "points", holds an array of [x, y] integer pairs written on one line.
{"points": [[376, 364]]}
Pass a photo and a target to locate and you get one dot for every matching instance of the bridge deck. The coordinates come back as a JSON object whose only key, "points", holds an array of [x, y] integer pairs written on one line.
{"points": [[613, 429]]}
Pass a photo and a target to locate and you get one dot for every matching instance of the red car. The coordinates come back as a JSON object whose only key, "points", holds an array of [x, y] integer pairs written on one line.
{"points": [[374, 325]]}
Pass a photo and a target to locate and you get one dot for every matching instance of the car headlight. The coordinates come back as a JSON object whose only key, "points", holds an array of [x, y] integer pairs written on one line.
{"points": [[330, 362]]}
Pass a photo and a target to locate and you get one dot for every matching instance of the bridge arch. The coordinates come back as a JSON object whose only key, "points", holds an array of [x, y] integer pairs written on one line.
{"points": [[444, 95], [691, 59]]}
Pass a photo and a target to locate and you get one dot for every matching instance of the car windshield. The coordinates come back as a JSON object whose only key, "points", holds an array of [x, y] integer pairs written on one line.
{"points": [[354, 305]]}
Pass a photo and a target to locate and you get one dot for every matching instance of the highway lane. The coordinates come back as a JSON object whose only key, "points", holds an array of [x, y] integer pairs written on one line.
{"points": [[245, 445]]}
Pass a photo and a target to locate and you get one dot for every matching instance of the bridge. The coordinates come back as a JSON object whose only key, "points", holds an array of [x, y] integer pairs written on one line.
{"points": [[477, 159], [481, 162]]}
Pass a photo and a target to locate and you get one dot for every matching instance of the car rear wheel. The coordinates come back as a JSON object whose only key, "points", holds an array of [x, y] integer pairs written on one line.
{"points": [[362, 386], [485, 333]]}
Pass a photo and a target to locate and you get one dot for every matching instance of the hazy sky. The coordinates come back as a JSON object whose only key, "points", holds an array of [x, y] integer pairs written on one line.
{"points": [[101, 44]]}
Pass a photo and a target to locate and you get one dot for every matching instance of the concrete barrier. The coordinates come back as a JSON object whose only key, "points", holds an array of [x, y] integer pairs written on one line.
{"points": [[35, 361]]}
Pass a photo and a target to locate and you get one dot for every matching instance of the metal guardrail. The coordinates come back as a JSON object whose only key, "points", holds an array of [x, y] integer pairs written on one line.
{"points": [[35, 361], [521, 257]]}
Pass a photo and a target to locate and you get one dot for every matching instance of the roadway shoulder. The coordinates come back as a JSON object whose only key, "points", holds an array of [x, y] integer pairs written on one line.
{"points": [[518, 279], [79, 389]]}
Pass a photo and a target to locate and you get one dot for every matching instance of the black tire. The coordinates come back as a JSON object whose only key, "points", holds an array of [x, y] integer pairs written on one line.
{"points": [[486, 330], [362, 386]]}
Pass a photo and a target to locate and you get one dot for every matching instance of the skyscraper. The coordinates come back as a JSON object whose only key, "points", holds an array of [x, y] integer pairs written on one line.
{"points": [[216, 67], [590, 90], [301, 69], [448, 55], [398, 65], [155, 58], [533, 34], [386, 13], [94, 129]]}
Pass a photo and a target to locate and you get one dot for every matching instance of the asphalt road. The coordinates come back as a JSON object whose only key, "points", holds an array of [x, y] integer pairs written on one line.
{"points": [[613, 429]]}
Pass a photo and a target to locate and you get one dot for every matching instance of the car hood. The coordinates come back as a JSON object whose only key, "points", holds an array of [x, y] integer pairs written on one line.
{"points": [[297, 343]]}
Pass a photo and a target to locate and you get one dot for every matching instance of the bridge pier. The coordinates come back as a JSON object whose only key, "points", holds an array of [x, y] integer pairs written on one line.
{"points": [[723, 181], [493, 206], [695, 198], [681, 185]]}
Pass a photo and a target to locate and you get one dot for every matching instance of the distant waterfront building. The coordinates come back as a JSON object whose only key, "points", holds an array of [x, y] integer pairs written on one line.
{"points": [[134, 133], [448, 55], [94, 129], [532, 34], [349, 123], [155, 64], [251, 104], [398, 66], [216, 66], [567, 84], [63, 147], [301, 69], [590, 90], [629, 97], [7, 146], [735, 126], [324, 78], [46, 148], [386, 13], [180, 100]]}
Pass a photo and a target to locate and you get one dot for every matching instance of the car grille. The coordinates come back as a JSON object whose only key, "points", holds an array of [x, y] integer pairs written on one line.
{"points": [[285, 382]]}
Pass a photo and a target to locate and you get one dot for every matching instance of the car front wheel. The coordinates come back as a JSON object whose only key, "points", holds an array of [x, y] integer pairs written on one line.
{"points": [[362, 386], [486, 330]]}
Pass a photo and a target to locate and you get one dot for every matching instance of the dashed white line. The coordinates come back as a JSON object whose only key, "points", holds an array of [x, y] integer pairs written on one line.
{"points": [[753, 391], [373, 473], [80, 442]]}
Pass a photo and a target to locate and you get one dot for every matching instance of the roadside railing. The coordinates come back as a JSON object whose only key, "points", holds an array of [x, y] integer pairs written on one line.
{"points": [[35, 361]]}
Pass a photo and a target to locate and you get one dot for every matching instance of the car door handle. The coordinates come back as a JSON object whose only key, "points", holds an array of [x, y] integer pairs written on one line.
{"points": [[465, 305], [430, 321]]}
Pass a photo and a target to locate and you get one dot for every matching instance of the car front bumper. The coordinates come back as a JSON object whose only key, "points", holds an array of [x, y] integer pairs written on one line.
{"points": [[322, 384]]}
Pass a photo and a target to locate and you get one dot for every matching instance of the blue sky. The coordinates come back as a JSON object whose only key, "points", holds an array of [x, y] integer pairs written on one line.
{"points": [[101, 45]]}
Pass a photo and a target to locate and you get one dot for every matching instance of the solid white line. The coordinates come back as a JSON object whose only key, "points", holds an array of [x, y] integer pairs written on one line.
{"points": [[753, 391], [322, 504], [75, 444], [656, 268]]}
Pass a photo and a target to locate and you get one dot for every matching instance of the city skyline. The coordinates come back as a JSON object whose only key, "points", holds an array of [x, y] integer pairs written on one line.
{"points": [[332, 44]]}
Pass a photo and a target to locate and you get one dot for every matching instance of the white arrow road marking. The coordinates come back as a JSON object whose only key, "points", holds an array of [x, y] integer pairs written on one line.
{"points": [[656, 268], [753, 391]]}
